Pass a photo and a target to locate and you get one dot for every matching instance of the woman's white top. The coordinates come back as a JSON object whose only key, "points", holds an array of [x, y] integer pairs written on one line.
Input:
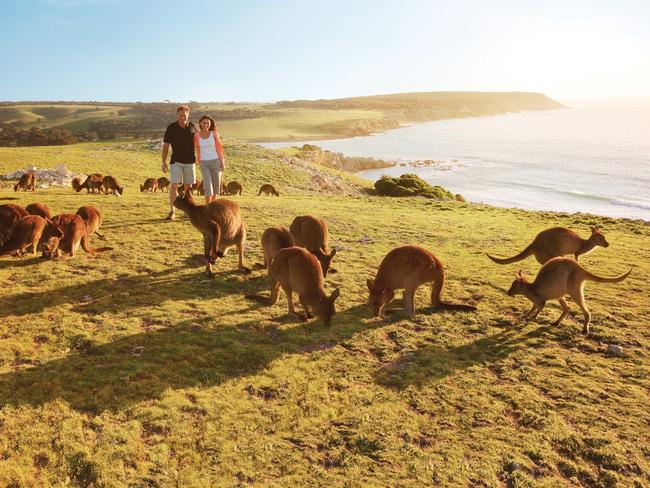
{"points": [[208, 149]]}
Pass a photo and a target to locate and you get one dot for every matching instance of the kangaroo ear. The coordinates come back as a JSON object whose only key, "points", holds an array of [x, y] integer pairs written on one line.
{"points": [[519, 275], [370, 284], [594, 229], [333, 253], [335, 294]]}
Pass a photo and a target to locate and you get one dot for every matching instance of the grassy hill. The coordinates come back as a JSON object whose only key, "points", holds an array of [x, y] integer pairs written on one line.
{"points": [[131, 368], [300, 120]]}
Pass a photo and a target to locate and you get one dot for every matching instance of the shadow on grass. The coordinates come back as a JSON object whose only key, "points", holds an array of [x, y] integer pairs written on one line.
{"points": [[127, 293], [193, 353], [25, 261]]}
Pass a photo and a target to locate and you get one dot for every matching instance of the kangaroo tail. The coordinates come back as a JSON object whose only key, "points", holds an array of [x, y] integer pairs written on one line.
{"points": [[602, 279], [522, 255], [99, 235], [436, 291], [85, 244]]}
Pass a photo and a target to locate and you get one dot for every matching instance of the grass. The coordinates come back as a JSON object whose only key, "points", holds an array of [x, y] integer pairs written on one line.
{"points": [[131, 368]]}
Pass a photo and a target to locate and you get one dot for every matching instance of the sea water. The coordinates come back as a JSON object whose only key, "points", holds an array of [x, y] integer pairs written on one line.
{"points": [[591, 159]]}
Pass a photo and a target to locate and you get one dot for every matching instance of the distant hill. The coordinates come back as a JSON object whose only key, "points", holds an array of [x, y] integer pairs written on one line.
{"points": [[285, 120]]}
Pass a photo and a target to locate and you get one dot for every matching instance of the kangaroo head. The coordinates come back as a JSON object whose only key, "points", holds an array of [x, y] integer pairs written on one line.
{"points": [[518, 285], [53, 229], [325, 259], [598, 238], [119, 190], [141, 188], [325, 308], [378, 297], [16, 186]]}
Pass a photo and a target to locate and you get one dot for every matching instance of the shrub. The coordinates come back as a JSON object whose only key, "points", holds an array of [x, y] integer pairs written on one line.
{"points": [[410, 185]]}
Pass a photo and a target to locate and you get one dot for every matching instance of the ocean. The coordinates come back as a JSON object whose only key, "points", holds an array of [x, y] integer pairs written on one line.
{"points": [[590, 160]]}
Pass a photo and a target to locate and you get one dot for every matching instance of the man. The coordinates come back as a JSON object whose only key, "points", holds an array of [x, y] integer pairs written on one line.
{"points": [[180, 135]]}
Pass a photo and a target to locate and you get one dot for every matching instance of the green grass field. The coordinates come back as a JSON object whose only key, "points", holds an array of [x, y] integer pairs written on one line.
{"points": [[132, 368]]}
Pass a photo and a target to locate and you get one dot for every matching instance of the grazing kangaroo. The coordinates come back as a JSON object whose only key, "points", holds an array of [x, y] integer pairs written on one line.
{"points": [[28, 231], [111, 184], [296, 270], [75, 233], [557, 241], [38, 209], [93, 219], [26, 182], [234, 188], [76, 184], [224, 189], [197, 187], [163, 183], [221, 224], [274, 239], [312, 234], [150, 185], [556, 279], [268, 189], [408, 267], [9, 215], [94, 182]]}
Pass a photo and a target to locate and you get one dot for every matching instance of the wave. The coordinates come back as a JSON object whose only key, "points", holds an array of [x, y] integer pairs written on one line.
{"points": [[629, 203]]}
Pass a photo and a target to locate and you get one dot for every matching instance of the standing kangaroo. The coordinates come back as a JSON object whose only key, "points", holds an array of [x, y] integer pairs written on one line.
{"points": [[296, 270], [39, 209], [94, 182], [9, 215], [557, 241], [274, 239], [26, 182], [93, 219], [312, 234], [163, 183], [111, 184], [221, 225], [150, 185], [408, 267], [75, 233], [234, 188], [556, 279], [268, 189]]}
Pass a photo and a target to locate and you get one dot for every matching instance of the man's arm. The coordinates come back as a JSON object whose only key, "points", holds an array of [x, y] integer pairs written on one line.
{"points": [[165, 151]]}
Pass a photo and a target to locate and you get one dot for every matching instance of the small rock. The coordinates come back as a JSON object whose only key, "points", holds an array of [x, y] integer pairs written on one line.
{"points": [[365, 240], [87, 298], [615, 350], [137, 351]]}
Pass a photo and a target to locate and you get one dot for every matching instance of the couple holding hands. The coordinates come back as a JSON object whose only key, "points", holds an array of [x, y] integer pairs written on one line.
{"points": [[191, 146]]}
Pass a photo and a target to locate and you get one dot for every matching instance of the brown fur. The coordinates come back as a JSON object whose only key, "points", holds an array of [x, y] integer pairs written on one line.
{"points": [[92, 218], [112, 185], [274, 239], [9, 215], [556, 279], [221, 225], [26, 182], [268, 189], [234, 188], [94, 183], [557, 241], [163, 183], [150, 185], [296, 270], [407, 268], [76, 184], [312, 234], [75, 233], [38, 209], [224, 189], [197, 187], [28, 231]]}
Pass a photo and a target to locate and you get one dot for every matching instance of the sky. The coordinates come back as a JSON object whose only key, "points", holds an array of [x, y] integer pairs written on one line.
{"points": [[255, 50]]}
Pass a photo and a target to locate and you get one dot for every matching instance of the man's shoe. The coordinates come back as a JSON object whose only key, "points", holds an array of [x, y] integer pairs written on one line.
{"points": [[171, 216]]}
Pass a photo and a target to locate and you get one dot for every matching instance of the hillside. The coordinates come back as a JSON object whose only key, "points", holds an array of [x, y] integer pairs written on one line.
{"points": [[302, 119], [131, 368]]}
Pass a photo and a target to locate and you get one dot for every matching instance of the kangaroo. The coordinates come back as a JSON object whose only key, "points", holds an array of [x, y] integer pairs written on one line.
{"points": [[75, 232], [93, 183], [557, 241], [197, 187], [408, 267], [9, 215], [312, 234], [274, 239], [26, 182], [150, 185], [93, 219], [234, 188], [268, 189], [556, 279], [224, 189], [28, 231], [296, 270], [76, 184], [163, 183], [221, 224], [38, 209], [111, 184]]}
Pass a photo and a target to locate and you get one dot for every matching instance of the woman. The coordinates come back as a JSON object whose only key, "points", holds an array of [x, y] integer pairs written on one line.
{"points": [[210, 156]]}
